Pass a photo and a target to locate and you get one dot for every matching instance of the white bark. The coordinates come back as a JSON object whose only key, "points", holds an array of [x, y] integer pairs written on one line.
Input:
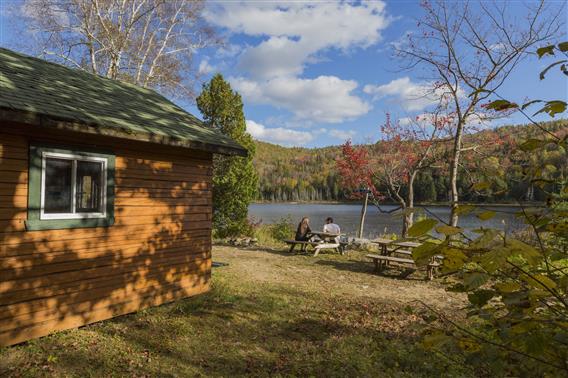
{"points": [[123, 39]]}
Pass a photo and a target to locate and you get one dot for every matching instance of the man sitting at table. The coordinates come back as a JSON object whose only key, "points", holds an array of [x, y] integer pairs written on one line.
{"points": [[332, 228]]}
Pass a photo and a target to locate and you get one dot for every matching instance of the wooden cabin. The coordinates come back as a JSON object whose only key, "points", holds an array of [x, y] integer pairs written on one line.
{"points": [[105, 198]]}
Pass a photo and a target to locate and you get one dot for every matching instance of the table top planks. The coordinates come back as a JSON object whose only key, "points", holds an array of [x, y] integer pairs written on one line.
{"points": [[324, 234], [382, 241], [407, 244]]}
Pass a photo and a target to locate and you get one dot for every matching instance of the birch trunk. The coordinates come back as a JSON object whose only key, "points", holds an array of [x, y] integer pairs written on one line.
{"points": [[454, 167]]}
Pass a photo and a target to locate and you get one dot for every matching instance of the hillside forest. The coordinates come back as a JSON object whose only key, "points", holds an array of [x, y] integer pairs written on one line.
{"points": [[310, 174]]}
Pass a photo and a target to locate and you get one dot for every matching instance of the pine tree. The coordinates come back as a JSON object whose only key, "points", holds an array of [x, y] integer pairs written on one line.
{"points": [[235, 181]]}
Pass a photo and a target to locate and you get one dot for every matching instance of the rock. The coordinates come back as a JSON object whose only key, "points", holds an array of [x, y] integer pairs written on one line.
{"points": [[243, 241]]}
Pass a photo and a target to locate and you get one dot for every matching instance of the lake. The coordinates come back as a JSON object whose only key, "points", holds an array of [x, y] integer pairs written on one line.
{"points": [[376, 223]]}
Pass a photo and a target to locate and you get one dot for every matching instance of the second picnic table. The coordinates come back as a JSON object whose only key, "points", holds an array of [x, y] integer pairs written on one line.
{"points": [[392, 247]]}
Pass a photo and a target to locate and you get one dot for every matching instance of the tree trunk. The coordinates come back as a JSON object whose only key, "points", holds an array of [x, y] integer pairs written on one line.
{"points": [[454, 167], [405, 219], [409, 216], [530, 192], [363, 213]]}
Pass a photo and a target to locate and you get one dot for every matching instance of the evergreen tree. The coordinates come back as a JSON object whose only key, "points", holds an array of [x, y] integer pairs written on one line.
{"points": [[235, 181]]}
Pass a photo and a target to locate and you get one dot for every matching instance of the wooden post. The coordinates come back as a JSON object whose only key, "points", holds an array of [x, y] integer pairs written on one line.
{"points": [[363, 213]]}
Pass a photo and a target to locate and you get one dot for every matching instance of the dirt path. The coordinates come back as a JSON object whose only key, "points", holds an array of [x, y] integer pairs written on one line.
{"points": [[351, 275]]}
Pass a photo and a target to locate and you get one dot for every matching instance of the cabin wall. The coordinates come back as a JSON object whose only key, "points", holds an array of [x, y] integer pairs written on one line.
{"points": [[158, 250]]}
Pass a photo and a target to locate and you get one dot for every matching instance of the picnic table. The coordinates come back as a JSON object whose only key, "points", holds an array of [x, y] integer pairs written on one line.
{"points": [[325, 236], [391, 248], [319, 240]]}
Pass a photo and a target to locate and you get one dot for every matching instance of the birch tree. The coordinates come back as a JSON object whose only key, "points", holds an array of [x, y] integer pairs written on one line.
{"points": [[150, 43], [468, 50]]}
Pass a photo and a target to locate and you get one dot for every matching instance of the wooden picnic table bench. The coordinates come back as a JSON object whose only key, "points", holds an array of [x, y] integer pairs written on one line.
{"points": [[407, 244], [399, 251], [381, 261], [390, 248], [294, 243]]}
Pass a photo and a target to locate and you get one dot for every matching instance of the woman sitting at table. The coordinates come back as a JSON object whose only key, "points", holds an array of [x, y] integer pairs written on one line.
{"points": [[303, 231]]}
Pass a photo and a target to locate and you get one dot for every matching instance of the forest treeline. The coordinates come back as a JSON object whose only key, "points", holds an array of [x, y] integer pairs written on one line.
{"points": [[309, 174]]}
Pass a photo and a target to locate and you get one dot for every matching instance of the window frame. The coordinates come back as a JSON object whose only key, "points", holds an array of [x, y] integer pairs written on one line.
{"points": [[38, 219], [74, 158]]}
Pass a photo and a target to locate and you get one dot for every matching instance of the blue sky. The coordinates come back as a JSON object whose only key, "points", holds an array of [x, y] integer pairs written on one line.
{"points": [[317, 74]]}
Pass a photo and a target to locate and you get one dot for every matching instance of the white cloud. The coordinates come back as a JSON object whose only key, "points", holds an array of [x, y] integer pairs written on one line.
{"points": [[426, 120], [405, 121], [275, 57], [499, 47], [342, 134], [411, 96], [295, 32], [205, 67], [278, 135], [39, 10], [292, 35], [228, 51], [403, 41], [323, 99]]}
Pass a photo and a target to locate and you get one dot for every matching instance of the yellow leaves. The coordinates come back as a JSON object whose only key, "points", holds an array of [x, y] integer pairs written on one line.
{"points": [[537, 294], [486, 215], [546, 50], [423, 253], [557, 227], [479, 186], [448, 230], [453, 259], [485, 240], [422, 227], [465, 209], [553, 108], [474, 280], [480, 297], [507, 287], [494, 259], [540, 281], [529, 253], [523, 327], [435, 340], [500, 105], [469, 345]]}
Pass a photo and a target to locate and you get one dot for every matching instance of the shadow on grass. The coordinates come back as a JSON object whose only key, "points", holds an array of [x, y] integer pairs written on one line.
{"points": [[245, 329], [368, 267], [259, 330]]}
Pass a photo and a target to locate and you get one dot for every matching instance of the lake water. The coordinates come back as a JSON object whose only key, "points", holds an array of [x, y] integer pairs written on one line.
{"points": [[376, 223]]}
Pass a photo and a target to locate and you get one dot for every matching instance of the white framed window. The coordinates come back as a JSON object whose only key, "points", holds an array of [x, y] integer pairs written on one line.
{"points": [[73, 186]]}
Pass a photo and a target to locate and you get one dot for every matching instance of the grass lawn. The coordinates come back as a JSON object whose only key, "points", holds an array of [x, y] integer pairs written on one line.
{"points": [[268, 313]]}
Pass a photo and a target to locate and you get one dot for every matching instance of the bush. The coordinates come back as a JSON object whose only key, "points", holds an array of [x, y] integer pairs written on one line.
{"points": [[283, 229]]}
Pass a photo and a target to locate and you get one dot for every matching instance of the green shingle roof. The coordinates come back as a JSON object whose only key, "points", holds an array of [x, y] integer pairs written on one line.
{"points": [[90, 103]]}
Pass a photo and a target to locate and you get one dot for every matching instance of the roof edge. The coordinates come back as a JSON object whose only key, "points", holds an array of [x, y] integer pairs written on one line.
{"points": [[73, 125]]}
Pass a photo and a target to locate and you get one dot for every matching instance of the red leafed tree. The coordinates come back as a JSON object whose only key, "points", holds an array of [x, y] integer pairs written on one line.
{"points": [[393, 162], [356, 171]]}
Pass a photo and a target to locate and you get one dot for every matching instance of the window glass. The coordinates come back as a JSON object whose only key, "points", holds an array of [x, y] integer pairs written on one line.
{"points": [[89, 184], [58, 176]]}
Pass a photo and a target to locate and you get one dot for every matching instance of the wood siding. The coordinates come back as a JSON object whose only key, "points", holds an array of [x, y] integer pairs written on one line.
{"points": [[158, 250]]}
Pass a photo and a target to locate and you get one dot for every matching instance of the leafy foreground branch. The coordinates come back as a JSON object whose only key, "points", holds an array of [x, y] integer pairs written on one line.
{"points": [[517, 285]]}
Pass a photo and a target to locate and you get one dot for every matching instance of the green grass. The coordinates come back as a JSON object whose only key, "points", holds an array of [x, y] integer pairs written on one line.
{"points": [[245, 326]]}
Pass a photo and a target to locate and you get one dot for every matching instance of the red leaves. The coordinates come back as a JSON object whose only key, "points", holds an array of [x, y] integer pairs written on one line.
{"points": [[355, 168]]}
